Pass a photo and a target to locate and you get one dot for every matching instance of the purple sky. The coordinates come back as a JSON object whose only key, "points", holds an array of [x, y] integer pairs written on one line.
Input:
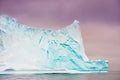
{"points": [[62, 11]]}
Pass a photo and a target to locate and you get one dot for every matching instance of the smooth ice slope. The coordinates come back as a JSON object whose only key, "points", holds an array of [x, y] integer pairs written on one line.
{"points": [[26, 48]]}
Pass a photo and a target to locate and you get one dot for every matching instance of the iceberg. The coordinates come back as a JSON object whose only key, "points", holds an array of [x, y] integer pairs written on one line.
{"points": [[27, 49]]}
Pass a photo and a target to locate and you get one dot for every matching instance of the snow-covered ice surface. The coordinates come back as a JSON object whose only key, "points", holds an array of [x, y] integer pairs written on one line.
{"points": [[37, 50]]}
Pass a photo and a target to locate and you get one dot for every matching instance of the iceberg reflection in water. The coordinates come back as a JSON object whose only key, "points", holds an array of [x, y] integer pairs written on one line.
{"points": [[82, 76], [24, 49]]}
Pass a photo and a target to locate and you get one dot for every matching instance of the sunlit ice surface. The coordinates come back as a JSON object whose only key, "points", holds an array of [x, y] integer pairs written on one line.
{"points": [[24, 49]]}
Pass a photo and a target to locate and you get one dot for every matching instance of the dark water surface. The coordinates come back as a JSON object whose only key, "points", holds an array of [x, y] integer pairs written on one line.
{"points": [[81, 76]]}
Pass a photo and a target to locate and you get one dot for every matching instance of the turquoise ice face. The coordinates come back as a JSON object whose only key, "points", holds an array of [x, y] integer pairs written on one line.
{"points": [[26, 48]]}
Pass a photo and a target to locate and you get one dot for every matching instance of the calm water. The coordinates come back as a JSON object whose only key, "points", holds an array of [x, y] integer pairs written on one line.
{"points": [[88, 76]]}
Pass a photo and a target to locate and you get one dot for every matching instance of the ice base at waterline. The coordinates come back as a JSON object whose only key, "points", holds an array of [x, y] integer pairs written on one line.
{"points": [[25, 49]]}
